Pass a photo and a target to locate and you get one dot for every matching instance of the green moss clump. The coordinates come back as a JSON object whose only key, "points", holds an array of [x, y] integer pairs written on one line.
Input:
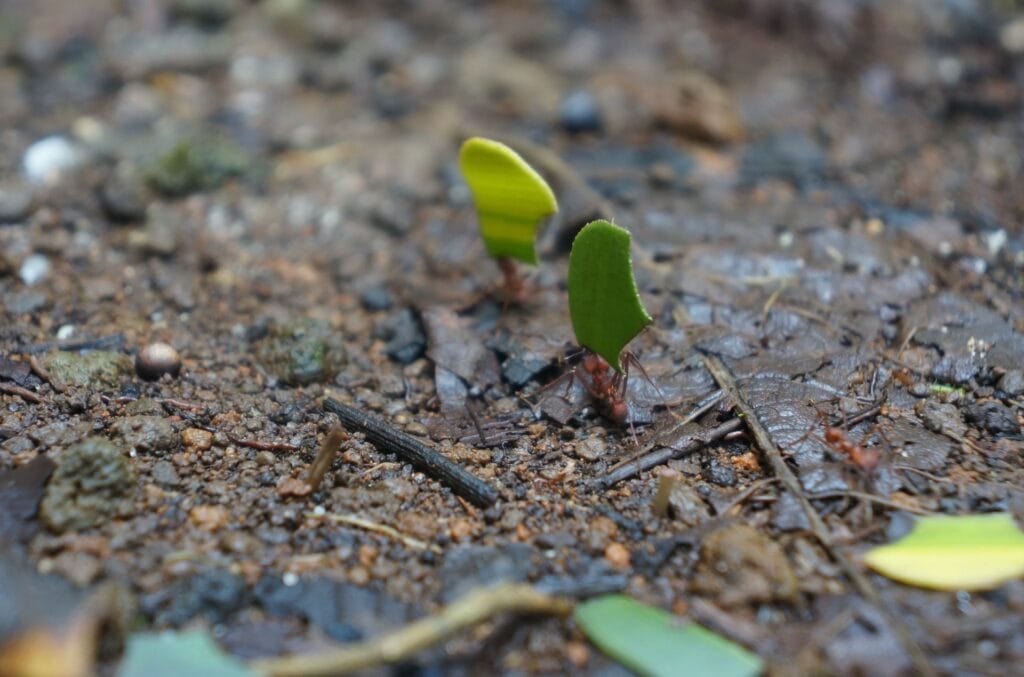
{"points": [[94, 482], [96, 369], [302, 352], [196, 165]]}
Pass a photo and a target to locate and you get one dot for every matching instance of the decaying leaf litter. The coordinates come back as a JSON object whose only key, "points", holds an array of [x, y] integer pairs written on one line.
{"points": [[821, 202]]}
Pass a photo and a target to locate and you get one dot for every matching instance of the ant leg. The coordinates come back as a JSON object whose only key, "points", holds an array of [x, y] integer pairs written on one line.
{"points": [[630, 359]]}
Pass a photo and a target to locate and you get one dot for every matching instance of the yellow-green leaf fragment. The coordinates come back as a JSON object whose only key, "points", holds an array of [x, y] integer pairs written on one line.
{"points": [[650, 641], [967, 552], [604, 304], [511, 198]]}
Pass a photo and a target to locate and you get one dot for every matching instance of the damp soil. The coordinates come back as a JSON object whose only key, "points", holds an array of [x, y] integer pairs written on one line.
{"points": [[823, 195]]}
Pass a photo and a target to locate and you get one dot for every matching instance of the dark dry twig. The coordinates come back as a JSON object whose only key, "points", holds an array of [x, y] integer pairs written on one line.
{"points": [[39, 370], [475, 607], [412, 451], [23, 393], [694, 442], [725, 380]]}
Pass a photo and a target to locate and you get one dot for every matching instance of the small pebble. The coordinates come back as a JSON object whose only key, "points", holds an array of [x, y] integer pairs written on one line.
{"points": [[208, 517], [617, 555], [197, 439], [46, 160], [157, 359], [34, 269], [15, 201], [376, 298], [1012, 382], [265, 458], [579, 113]]}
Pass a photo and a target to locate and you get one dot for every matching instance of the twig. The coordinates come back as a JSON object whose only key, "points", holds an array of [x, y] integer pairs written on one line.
{"points": [[181, 404], [414, 452], [694, 443], [401, 644], [870, 412], [39, 370], [922, 473], [702, 408], [860, 495], [747, 493], [726, 382], [23, 393], [113, 342], [263, 446], [323, 459], [390, 532]]}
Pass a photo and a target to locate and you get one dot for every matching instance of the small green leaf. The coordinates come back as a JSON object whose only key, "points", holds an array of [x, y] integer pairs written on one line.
{"points": [[604, 304], [170, 654], [966, 552], [651, 641], [511, 198]]}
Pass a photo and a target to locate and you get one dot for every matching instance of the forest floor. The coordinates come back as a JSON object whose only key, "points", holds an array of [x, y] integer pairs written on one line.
{"points": [[824, 199]]}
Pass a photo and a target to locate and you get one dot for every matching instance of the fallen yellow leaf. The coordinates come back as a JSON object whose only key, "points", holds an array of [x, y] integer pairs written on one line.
{"points": [[966, 552]]}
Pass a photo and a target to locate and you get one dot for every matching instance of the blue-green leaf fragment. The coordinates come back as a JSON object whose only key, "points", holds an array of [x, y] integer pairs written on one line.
{"points": [[511, 198], [172, 654], [604, 304], [650, 641]]}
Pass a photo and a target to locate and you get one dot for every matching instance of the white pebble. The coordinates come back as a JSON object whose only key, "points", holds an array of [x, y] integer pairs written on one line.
{"points": [[289, 579], [34, 269], [49, 158], [65, 332]]}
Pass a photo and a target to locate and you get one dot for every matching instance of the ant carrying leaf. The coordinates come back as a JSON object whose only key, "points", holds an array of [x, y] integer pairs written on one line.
{"points": [[607, 314], [511, 199]]}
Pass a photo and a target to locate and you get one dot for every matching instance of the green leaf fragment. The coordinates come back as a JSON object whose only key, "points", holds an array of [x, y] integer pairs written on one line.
{"points": [[171, 654], [651, 641], [606, 309], [965, 552], [511, 198]]}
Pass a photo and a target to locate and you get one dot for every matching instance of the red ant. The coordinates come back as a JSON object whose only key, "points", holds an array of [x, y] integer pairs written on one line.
{"points": [[837, 438], [606, 385], [864, 458]]}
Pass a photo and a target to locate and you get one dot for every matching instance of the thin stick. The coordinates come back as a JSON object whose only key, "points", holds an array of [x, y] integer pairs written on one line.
{"points": [[477, 606], [870, 412], [23, 393], [726, 382], [748, 492], [322, 463], [702, 408], [181, 404], [860, 495], [378, 528], [665, 454], [412, 451], [39, 370], [263, 446], [112, 342]]}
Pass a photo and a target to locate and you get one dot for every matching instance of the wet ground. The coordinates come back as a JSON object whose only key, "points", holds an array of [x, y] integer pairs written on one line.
{"points": [[823, 195]]}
